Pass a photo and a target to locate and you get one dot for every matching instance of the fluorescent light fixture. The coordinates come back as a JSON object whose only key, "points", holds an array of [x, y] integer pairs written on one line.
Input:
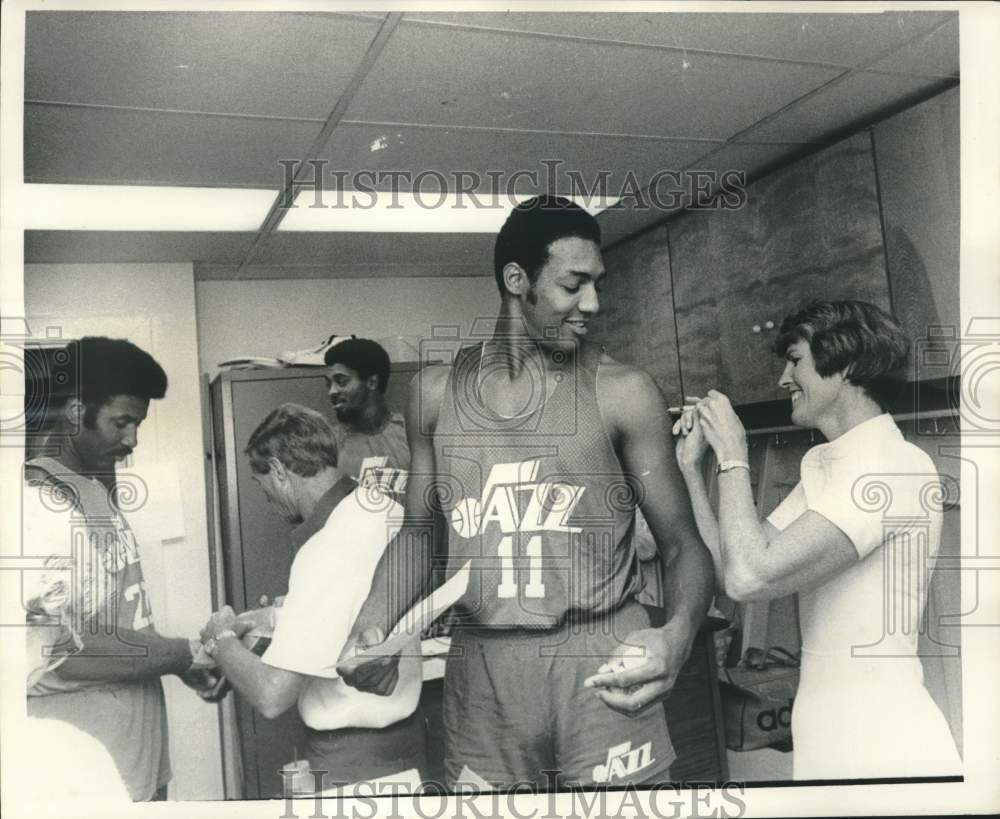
{"points": [[405, 212], [134, 207]]}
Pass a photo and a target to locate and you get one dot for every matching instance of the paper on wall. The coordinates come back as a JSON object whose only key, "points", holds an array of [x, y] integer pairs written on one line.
{"points": [[154, 506]]}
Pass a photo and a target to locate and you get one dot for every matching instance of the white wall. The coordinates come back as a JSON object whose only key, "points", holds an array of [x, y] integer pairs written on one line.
{"points": [[154, 306], [265, 318]]}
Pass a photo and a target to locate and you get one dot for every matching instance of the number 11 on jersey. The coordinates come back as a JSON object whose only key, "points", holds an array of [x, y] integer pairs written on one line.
{"points": [[508, 580]]}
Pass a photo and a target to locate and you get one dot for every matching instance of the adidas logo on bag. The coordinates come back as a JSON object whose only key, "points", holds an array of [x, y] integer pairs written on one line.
{"points": [[774, 718]]}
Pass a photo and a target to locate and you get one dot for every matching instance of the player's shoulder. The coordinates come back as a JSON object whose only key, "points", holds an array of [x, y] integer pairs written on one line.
{"points": [[428, 385], [624, 381], [427, 391], [627, 396], [432, 376]]}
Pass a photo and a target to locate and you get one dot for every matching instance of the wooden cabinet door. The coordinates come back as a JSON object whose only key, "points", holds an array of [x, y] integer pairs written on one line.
{"points": [[636, 319], [809, 231], [918, 170], [695, 262]]}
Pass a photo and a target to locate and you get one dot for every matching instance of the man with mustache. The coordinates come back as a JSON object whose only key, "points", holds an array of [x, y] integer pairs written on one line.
{"points": [[371, 439], [92, 581]]}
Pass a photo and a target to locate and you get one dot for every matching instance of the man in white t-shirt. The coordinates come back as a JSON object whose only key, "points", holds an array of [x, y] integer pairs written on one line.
{"points": [[343, 530]]}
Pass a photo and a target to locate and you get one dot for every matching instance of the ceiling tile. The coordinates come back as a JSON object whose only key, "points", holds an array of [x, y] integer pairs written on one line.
{"points": [[845, 39], [454, 77], [575, 164], [121, 147], [848, 103], [250, 63], [936, 54], [52, 246]]}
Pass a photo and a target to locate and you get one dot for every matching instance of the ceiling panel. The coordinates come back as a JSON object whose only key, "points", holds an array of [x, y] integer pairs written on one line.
{"points": [[136, 246], [513, 155], [454, 77], [251, 63], [935, 54], [858, 97], [845, 39], [119, 147], [442, 98]]}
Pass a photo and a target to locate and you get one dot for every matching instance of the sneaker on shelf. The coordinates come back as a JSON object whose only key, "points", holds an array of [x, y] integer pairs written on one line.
{"points": [[313, 357]]}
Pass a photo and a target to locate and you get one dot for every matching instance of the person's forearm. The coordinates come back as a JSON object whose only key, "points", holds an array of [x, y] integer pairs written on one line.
{"points": [[127, 656], [741, 537], [704, 516], [402, 577], [252, 678], [689, 581]]}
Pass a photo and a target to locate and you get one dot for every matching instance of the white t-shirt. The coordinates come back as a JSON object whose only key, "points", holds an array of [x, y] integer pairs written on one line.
{"points": [[881, 491], [861, 709], [330, 579]]}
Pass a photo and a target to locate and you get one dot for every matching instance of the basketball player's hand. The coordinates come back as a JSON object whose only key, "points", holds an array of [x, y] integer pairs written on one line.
{"points": [[373, 674], [209, 684], [643, 669]]}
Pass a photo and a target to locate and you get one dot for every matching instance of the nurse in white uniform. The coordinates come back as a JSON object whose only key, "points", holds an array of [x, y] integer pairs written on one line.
{"points": [[853, 538]]}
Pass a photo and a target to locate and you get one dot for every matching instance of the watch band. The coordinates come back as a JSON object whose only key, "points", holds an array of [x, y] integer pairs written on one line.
{"points": [[728, 466], [213, 642]]}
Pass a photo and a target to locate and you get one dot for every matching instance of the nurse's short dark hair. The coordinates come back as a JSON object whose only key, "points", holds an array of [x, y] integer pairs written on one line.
{"points": [[856, 338], [301, 438]]}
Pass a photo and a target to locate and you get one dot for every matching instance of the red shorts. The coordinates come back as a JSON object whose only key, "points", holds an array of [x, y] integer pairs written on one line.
{"points": [[515, 709]]}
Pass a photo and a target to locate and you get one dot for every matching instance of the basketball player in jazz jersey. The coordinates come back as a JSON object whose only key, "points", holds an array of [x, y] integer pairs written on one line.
{"points": [[530, 453], [371, 439]]}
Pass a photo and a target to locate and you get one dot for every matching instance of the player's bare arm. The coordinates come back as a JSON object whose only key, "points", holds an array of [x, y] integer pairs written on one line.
{"points": [[405, 566], [127, 656], [635, 413]]}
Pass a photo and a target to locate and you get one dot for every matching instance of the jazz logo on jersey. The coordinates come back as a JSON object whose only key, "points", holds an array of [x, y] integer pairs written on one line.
{"points": [[547, 505], [548, 509], [374, 472], [623, 762]]}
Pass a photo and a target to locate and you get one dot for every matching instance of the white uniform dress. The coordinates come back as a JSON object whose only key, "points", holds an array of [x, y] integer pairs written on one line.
{"points": [[862, 710]]}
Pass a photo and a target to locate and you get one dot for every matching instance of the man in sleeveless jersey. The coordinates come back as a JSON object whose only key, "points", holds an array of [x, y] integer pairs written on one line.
{"points": [[92, 581], [530, 453], [371, 440]]}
